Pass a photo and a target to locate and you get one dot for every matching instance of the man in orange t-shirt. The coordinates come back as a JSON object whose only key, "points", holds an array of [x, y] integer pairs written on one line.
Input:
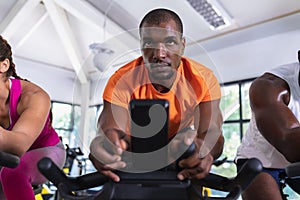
{"points": [[162, 72]]}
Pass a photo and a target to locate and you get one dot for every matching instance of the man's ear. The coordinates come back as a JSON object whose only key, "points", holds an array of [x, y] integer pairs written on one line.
{"points": [[183, 45], [4, 65]]}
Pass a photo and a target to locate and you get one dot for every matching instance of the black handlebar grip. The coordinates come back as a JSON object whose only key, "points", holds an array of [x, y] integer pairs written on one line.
{"points": [[9, 160], [51, 171], [235, 185], [234, 194], [293, 170], [248, 172], [188, 152], [54, 174]]}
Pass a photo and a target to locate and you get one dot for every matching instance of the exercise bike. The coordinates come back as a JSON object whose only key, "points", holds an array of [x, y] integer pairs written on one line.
{"points": [[160, 184], [8, 160], [12, 161], [73, 156], [291, 177], [156, 185]]}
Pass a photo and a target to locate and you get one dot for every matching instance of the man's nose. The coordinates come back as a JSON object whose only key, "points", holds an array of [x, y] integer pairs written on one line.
{"points": [[160, 51]]}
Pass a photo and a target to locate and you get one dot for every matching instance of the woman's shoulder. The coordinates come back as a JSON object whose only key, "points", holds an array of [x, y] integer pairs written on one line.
{"points": [[31, 90]]}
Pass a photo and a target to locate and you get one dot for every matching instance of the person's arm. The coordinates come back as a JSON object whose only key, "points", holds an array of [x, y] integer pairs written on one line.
{"points": [[106, 149], [210, 128], [33, 108], [209, 141], [269, 97]]}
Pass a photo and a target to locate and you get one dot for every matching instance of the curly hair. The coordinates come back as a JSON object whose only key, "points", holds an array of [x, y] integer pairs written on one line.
{"points": [[6, 53]]}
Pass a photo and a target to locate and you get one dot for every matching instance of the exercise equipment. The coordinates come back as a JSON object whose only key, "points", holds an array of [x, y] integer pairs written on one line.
{"points": [[12, 161], [8, 160], [157, 185], [291, 177]]}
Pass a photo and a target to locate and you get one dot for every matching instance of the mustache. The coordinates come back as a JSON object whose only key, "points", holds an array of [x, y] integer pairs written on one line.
{"points": [[159, 64]]}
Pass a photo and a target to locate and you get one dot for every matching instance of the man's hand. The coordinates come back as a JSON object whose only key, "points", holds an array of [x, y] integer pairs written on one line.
{"points": [[197, 165], [105, 153]]}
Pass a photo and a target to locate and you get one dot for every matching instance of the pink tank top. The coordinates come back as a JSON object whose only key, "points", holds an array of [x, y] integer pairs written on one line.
{"points": [[48, 136]]}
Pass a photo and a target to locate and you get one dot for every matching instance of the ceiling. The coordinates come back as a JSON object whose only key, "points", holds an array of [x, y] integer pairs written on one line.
{"points": [[58, 33]]}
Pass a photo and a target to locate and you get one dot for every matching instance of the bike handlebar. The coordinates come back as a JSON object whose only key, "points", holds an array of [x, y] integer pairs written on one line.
{"points": [[53, 173], [66, 185], [234, 185], [291, 176], [293, 170], [9, 160]]}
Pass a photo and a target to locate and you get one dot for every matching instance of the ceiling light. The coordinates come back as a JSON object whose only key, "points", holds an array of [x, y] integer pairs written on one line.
{"points": [[102, 55], [212, 12]]}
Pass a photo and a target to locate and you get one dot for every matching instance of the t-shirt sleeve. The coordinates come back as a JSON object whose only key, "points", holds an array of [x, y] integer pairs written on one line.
{"points": [[116, 92], [213, 90]]}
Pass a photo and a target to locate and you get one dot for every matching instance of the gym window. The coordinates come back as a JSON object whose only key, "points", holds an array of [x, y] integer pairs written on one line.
{"points": [[66, 121], [236, 115]]}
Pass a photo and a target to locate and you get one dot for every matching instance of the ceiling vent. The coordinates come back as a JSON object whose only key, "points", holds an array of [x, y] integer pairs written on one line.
{"points": [[212, 12]]}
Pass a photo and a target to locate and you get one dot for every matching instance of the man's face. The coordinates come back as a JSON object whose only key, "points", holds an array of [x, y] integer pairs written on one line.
{"points": [[162, 47]]}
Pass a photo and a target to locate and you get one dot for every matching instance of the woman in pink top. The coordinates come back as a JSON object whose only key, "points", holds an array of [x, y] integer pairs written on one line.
{"points": [[25, 129]]}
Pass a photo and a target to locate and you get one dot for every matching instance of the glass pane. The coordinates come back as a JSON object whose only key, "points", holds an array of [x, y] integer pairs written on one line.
{"points": [[230, 102], [226, 169], [65, 136], [75, 129], [246, 110], [231, 132], [62, 115], [93, 118], [291, 193], [245, 126]]}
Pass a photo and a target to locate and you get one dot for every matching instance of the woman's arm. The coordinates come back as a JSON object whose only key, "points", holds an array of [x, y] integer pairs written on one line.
{"points": [[33, 109]]}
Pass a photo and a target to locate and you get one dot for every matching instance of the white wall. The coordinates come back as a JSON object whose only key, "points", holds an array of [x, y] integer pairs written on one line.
{"points": [[249, 52], [61, 84], [241, 60], [251, 59]]}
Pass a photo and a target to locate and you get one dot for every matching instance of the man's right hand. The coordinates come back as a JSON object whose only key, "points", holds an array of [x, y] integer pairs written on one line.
{"points": [[105, 153]]}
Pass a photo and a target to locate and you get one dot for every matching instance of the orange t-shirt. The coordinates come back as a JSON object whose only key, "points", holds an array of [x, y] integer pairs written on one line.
{"points": [[194, 84]]}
